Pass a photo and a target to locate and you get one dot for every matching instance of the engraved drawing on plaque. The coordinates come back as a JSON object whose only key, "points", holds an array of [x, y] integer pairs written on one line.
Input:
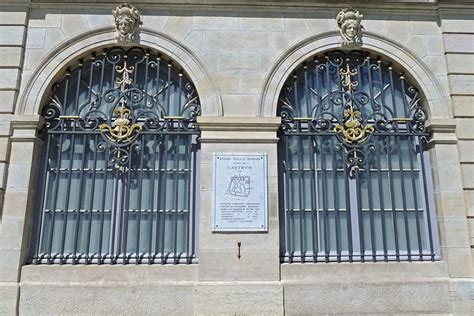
{"points": [[239, 185]]}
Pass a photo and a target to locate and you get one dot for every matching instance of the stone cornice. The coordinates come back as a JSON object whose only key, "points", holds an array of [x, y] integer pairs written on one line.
{"points": [[237, 123], [369, 6], [219, 129], [443, 131]]}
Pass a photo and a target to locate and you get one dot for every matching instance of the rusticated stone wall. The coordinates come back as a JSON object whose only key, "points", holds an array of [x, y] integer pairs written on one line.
{"points": [[238, 55]]}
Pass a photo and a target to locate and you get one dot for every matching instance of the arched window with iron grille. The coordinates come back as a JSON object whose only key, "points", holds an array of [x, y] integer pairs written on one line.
{"points": [[118, 175], [354, 175]]}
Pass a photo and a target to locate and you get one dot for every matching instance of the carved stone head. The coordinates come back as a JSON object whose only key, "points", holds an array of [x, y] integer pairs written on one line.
{"points": [[350, 27], [127, 22]]}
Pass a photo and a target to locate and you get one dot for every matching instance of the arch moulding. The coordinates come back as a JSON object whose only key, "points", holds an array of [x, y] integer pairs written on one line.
{"points": [[436, 100], [36, 91]]}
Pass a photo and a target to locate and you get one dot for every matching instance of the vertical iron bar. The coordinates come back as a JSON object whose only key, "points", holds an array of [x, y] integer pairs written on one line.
{"points": [[68, 192], [325, 202], [102, 210], [425, 191], [91, 201], [382, 205], [400, 162], [44, 180], [81, 189], [139, 198], [176, 198], [164, 204], [151, 201], [288, 197]]}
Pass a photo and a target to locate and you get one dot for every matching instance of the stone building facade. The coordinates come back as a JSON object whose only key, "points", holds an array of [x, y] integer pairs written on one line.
{"points": [[238, 54]]}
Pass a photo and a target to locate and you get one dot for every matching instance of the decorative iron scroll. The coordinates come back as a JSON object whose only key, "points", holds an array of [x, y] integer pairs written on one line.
{"points": [[121, 94], [353, 97]]}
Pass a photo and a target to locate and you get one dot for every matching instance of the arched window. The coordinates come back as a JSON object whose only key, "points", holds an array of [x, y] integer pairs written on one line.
{"points": [[118, 175], [354, 174]]}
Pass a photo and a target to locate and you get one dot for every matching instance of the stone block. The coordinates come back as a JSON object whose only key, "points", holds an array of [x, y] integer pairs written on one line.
{"points": [[139, 297], [9, 294], [463, 106], [9, 78], [16, 235], [355, 272], [53, 38], [298, 28], [462, 84], [280, 42], [152, 19], [196, 40], [35, 37], [450, 203], [468, 175], [434, 44], [424, 26], [458, 23], [250, 242], [12, 16], [251, 82], [108, 273], [4, 149], [272, 23], [10, 263], [7, 101], [12, 35], [226, 81], [240, 60], [240, 105], [238, 40], [462, 296], [99, 18], [464, 129], [74, 24], [3, 175], [367, 297], [397, 30], [178, 27], [460, 63], [236, 298], [470, 222], [50, 17], [11, 56], [320, 24], [210, 58], [216, 21], [444, 154], [459, 43], [459, 260], [266, 61], [447, 178], [416, 44], [254, 265], [15, 205], [21, 181], [454, 232], [469, 196]]}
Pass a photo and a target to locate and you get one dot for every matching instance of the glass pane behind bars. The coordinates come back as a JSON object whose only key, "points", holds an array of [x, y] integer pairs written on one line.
{"points": [[106, 202], [353, 199]]}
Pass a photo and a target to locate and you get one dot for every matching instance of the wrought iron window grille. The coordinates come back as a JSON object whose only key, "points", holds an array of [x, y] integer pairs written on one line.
{"points": [[119, 164], [354, 175]]}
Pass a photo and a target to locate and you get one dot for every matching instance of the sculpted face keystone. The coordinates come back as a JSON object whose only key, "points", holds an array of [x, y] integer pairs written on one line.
{"points": [[127, 23], [350, 28]]}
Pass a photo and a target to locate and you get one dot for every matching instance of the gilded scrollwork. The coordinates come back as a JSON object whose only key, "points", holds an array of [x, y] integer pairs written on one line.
{"points": [[133, 102], [354, 98]]}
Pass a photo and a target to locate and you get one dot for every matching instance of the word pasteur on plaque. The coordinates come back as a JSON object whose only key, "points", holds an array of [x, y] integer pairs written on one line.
{"points": [[240, 192]]}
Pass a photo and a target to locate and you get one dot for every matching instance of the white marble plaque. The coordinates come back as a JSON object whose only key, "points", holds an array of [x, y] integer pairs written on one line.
{"points": [[240, 192]]}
